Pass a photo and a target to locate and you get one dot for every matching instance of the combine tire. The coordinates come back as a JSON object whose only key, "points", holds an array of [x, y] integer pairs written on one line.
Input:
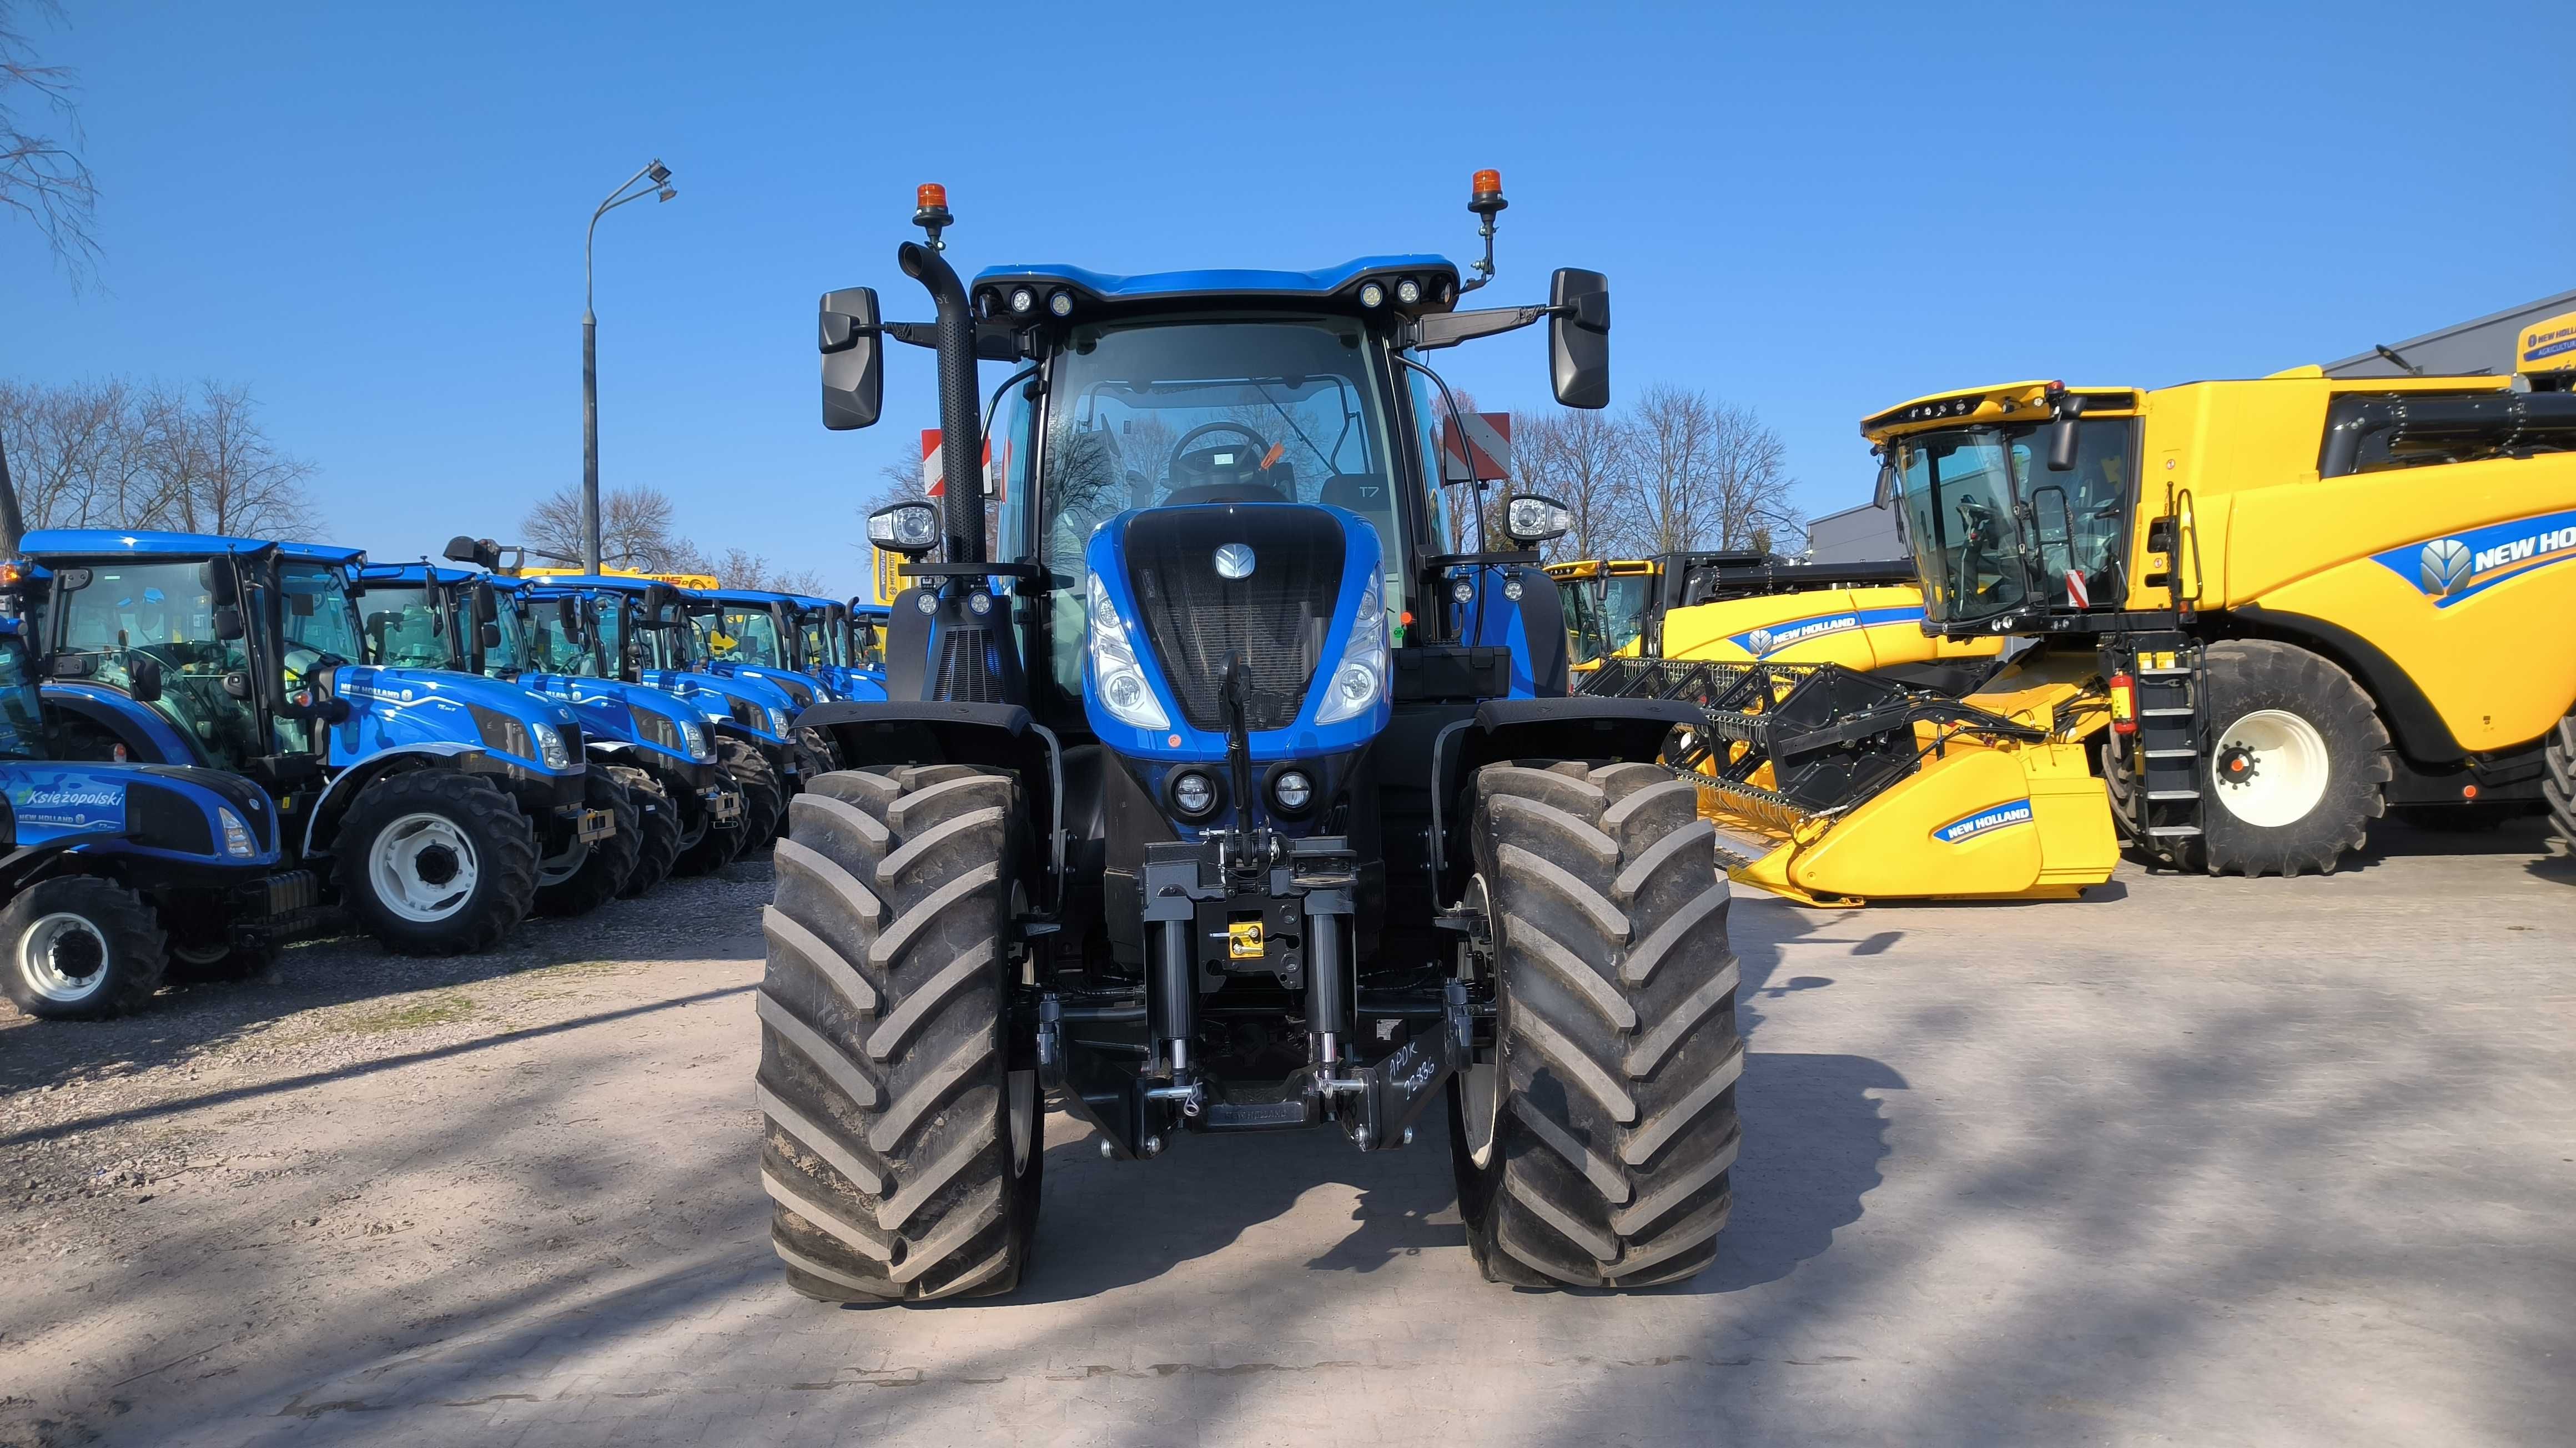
{"points": [[2559, 784], [1593, 1147], [764, 802], [901, 1152], [657, 830], [81, 949], [433, 862], [585, 877], [2296, 761]]}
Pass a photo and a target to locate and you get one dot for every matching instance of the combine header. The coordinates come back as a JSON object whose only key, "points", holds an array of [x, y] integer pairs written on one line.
{"points": [[1834, 787]]}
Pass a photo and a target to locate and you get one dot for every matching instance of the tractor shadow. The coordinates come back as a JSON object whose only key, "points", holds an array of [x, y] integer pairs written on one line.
{"points": [[1816, 1136], [711, 917]]}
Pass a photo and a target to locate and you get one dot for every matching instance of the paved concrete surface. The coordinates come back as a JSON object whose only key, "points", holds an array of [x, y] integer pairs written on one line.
{"points": [[2197, 1161]]}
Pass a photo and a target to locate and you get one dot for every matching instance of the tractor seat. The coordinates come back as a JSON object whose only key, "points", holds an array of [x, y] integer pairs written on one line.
{"points": [[1224, 493]]}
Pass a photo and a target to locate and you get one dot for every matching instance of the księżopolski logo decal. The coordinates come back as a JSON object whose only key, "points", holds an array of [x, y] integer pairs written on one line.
{"points": [[78, 803], [1985, 822], [2463, 565]]}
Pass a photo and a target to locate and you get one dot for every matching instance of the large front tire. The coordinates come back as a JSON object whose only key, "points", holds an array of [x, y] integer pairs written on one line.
{"points": [[764, 799], [1593, 1148], [2296, 761], [81, 949], [586, 876], [433, 862], [901, 1152]]}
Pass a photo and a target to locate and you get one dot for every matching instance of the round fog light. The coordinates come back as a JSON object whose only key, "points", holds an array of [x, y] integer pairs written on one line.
{"points": [[1461, 590], [1292, 790], [1408, 291], [1023, 301], [1061, 304], [1193, 793], [979, 603], [1372, 294]]}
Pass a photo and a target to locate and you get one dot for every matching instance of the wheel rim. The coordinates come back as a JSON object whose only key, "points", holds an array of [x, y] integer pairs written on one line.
{"points": [[1022, 1097], [63, 958], [2270, 768], [199, 954], [423, 867], [557, 868], [1479, 1086]]}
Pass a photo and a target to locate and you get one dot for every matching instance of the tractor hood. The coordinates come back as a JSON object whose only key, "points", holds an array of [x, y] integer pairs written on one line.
{"points": [[197, 814], [399, 708], [622, 713], [756, 706]]}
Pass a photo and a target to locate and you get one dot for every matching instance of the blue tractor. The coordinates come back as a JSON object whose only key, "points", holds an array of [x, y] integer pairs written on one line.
{"points": [[114, 873], [822, 639], [655, 754], [1252, 798], [634, 630], [433, 802]]}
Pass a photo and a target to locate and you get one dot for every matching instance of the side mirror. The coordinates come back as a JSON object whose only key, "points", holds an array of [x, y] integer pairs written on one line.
{"points": [[73, 666], [659, 600], [1578, 337], [142, 678], [482, 551], [1532, 520], [217, 576], [489, 634], [911, 529], [487, 603], [2061, 435], [1885, 495], [228, 622], [853, 373], [568, 618]]}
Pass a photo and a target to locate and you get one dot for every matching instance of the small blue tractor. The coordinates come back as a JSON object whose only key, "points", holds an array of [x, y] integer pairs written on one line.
{"points": [[655, 749], [822, 640], [434, 802], [633, 630], [114, 872], [1234, 790]]}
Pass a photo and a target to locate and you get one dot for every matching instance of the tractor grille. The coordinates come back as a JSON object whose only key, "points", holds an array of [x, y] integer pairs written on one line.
{"points": [[967, 673], [1274, 619], [167, 820]]}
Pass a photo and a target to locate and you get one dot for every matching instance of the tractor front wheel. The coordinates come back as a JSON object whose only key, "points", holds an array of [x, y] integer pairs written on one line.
{"points": [[1593, 1143], [584, 876], [764, 800], [434, 862], [657, 829], [81, 948], [900, 1149]]}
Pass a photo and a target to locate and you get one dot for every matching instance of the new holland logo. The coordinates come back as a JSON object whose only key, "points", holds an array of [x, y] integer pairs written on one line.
{"points": [[1985, 822], [2446, 566], [1234, 560], [1758, 641]]}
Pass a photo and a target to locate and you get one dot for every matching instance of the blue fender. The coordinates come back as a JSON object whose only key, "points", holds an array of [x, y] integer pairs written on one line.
{"points": [[344, 787], [396, 709]]}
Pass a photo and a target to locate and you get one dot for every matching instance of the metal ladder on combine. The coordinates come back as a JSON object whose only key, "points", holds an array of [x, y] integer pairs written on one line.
{"points": [[2171, 743]]}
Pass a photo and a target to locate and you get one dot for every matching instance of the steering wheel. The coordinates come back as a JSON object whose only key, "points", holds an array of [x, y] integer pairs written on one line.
{"points": [[1262, 444]]}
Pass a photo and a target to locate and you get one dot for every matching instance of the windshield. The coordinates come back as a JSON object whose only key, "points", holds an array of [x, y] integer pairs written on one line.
{"points": [[747, 634], [1960, 491], [1241, 411], [1959, 520], [553, 649], [319, 615], [817, 640], [165, 611], [510, 655], [1582, 617], [22, 719], [1623, 610], [402, 629]]}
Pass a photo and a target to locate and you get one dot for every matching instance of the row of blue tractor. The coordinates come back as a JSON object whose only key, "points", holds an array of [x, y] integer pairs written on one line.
{"points": [[212, 739]]}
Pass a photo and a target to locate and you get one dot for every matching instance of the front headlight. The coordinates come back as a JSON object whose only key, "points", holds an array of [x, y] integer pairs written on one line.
{"points": [[695, 737], [778, 722], [1116, 676], [237, 840], [550, 746], [1360, 678]]}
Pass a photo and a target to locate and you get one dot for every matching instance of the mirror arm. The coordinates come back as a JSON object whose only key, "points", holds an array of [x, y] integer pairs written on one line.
{"points": [[1448, 329]]}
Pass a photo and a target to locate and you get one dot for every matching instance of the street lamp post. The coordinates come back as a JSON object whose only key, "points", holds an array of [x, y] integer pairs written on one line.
{"points": [[659, 175]]}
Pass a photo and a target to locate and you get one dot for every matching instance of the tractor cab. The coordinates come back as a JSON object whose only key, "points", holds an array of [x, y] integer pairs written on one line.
{"points": [[2014, 501], [753, 634]]}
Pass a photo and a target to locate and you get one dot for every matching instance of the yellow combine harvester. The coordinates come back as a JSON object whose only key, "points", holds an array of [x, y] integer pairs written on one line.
{"points": [[1742, 606], [2260, 611]]}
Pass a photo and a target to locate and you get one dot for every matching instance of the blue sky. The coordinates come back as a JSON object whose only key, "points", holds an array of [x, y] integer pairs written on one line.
{"points": [[372, 215]]}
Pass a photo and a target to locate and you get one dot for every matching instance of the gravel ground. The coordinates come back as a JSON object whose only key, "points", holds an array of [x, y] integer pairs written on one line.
{"points": [[2201, 1161]]}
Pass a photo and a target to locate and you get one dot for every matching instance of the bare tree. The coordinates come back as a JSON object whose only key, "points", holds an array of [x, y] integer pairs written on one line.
{"points": [[635, 528], [42, 176], [1580, 458], [1706, 474], [1749, 483], [742, 568], [107, 455]]}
